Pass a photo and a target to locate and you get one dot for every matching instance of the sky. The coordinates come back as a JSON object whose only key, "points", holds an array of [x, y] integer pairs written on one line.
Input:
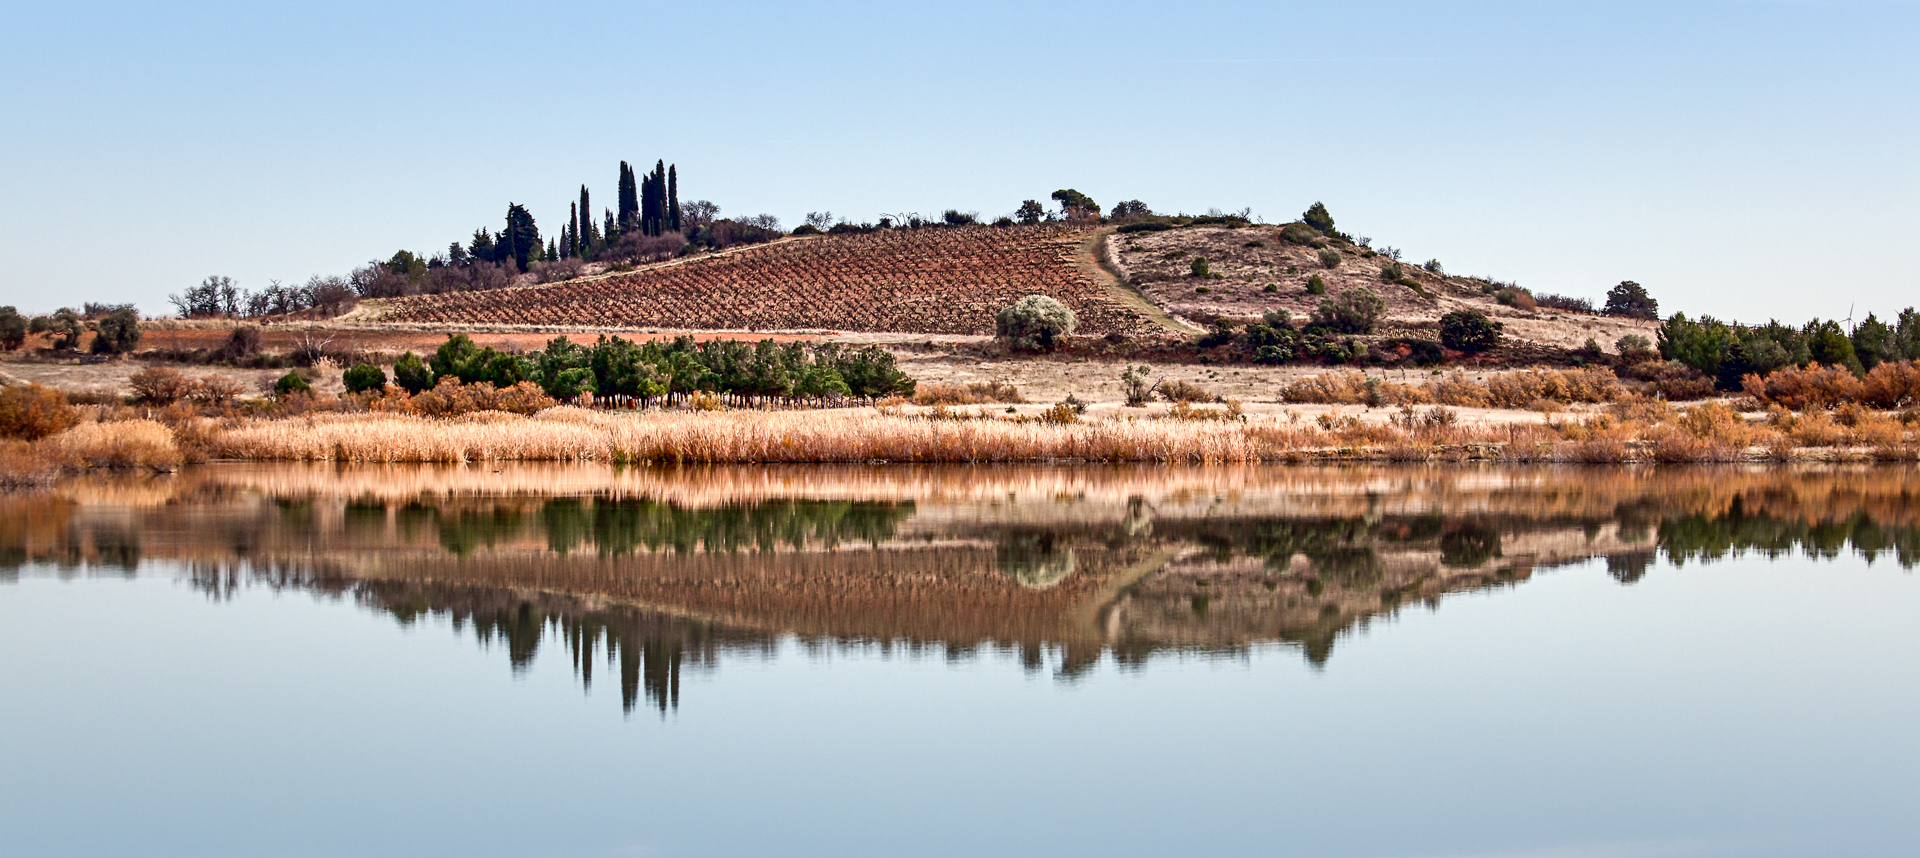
{"points": [[1744, 159]]}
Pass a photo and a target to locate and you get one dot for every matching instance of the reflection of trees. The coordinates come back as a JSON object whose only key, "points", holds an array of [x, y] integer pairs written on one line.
{"points": [[647, 588]]}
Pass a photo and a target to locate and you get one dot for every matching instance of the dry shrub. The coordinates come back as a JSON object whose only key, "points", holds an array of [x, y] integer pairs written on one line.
{"points": [[1634, 408], [1332, 388], [1352, 388], [977, 393], [1894, 384], [450, 398], [24, 464], [1803, 388], [1883, 435], [32, 412], [1177, 391], [1461, 392], [705, 400], [1720, 425], [216, 391], [1674, 380], [160, 385], [1521, 389], [1183, 410], [1597, 450], [124, 444], [1817, 429]]}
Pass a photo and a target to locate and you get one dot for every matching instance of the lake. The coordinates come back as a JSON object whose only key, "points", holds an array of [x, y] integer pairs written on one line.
{"points": [[531, 660]]}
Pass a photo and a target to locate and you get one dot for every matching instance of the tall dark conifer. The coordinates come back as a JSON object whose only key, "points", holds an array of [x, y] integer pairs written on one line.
{"points": [[521, 240], [629, 199], [673, 198], [586, 221], [573, 229]]}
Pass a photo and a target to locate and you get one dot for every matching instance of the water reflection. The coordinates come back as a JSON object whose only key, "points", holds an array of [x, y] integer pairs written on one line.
{"points": [[646, 574]]}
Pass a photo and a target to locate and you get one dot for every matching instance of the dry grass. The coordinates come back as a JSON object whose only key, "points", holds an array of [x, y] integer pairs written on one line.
{"points": [[124, 444]]}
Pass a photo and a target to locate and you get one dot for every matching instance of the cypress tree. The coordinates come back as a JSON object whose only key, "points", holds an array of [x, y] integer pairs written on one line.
{"points": [[673, 198], [586, 219], [629, 199], [611, 232], [573, 229], [553, 252]]}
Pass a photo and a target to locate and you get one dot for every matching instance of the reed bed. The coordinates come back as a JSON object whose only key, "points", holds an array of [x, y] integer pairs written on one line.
{"points": [[1631, 432]]}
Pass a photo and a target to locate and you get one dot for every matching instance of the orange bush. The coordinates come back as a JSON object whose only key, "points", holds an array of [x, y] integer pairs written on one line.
{"points": [[1801, 388], [31, 411], [1894, 384]]}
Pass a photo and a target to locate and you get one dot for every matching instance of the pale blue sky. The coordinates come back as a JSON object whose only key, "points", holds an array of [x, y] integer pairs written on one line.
{"points": [[1749, 159]]}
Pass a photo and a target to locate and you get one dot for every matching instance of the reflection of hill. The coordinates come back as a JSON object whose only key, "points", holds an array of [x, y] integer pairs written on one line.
{"points": [[659, 568]]}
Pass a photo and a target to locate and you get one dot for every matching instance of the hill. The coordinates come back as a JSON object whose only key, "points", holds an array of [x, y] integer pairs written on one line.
{"points": [[922, 281], [951, 281]]}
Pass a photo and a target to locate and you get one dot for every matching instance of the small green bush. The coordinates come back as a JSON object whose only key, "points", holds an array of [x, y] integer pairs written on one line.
{"points": [[117, 333], [1202, 289], [291, 383], [1147, 226], [363, 377], [1200, 267], [1034, 322], [1469, 331], [1391, 272], [1255, 243], [1354, 311], [1316, 286], [1634, 348], [1270, 287], [1329, 258]]}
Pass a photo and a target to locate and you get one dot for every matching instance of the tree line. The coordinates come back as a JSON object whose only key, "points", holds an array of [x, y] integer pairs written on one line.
{"points": [[617, 369], [1729, 351]]}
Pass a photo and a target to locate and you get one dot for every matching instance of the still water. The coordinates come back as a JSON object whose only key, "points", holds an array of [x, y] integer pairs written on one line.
{"points": [[542, 660]]}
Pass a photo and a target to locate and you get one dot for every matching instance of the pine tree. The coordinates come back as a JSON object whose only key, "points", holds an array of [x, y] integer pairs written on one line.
{"points": [[521, 241], [553, 252], [673, 198]]}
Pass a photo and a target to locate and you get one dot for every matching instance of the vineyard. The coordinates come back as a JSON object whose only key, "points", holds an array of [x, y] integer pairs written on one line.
{"points": [[927, 281]]}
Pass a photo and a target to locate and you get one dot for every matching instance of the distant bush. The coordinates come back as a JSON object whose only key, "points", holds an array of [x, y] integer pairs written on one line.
{"points": [[1391, 272], [159, 385], [977, 393], [1329, 258], [362, 377], [1518, 299], [1034, 322], [1003, 222], [955, 217], [1565, 302], [1147, 226], [1199, 267], [1434, 266], [1354, 311], [1175, 390], [32, 412], [1634, 348], [806, 229], [1630, 299], [1469, 331], [1256, 243], [13, 328], [243, 343], [1133, 381], [1298, 233], [291, 383], [1316, 286], [1270, 287]]}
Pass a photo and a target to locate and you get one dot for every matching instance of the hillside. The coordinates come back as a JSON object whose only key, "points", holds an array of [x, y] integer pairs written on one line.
{"points": [[1246, 260], [928, 281], [951, 281]]}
